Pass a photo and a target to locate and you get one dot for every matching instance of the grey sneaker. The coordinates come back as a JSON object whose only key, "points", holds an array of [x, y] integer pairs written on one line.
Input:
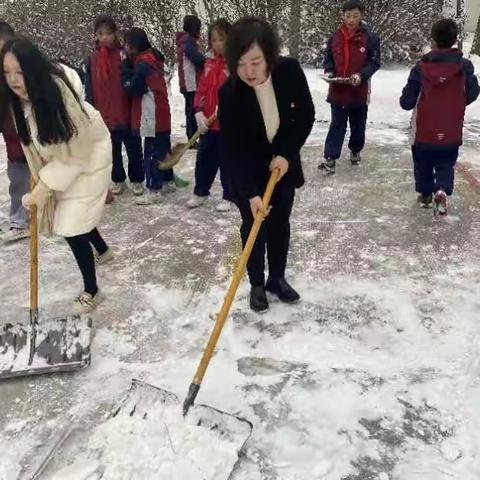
{"points": [[355, 158], [196, 201], [102, 259], [150, 197], [425, 201], [87, 303], [15, 234], [328, 166], [223, 206], [117, 188], [169, 187], [137, 188]]}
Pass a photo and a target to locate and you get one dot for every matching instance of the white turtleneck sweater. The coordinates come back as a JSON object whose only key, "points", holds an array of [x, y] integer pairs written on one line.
{"points": [[268, 105]]}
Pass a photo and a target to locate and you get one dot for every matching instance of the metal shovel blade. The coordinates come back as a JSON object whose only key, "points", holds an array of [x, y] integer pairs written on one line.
{"points": [[56, 345], [140, 438]]}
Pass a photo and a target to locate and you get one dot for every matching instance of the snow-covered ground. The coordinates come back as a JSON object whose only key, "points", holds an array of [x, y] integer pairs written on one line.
{"points": [[375, 375]]}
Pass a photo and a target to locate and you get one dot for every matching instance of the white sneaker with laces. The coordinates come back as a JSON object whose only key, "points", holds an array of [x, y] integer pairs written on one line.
{"points": [[102, 259], [117, 188], [87, 303], [137, 188], [15, 234], [196, 201], [223, 206]]}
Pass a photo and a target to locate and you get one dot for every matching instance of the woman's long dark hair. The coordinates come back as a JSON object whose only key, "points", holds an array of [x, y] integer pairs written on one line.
{"points": [[137, 39], [54, 124]]}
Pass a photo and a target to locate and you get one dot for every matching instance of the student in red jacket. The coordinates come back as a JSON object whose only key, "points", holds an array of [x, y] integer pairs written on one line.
{"points": [[439, 88], [143, 79], [353, 52], [104, 90], [190, 63], [209, 157], [17, 168]]}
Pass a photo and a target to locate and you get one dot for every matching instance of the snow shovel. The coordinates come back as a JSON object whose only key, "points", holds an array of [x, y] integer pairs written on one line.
{"points": [[180, 149], [55, 345], [227, 303], [150, 434]]}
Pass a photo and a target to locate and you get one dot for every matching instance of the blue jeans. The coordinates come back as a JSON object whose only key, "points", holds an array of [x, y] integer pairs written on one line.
{"points": [[155, 150]]}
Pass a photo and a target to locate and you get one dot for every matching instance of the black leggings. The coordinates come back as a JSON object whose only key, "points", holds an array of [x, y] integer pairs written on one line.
{"points": [[82, 251]]}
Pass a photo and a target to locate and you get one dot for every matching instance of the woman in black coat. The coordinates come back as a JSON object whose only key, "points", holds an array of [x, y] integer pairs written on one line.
{"points": [[266, 114]]}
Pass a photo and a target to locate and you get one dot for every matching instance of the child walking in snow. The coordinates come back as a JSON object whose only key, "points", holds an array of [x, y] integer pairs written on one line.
{"points": [[190, 64], [439, 88], [104, 90], [17, 168], [209, 157], [143, 79], [353, 52]]}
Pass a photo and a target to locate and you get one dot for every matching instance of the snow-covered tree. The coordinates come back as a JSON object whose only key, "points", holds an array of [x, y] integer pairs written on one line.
{"points": [[64, 29], [391, 20], [476, 41], [160, 19]]}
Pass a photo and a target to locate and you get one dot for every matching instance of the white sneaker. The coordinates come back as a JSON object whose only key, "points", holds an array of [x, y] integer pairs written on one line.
{"points": [[15, 234], [117, 188], [196, 201], [137, 188], [223, 206], [169, 187], [104, 258], [150, 197], [86, 303]]}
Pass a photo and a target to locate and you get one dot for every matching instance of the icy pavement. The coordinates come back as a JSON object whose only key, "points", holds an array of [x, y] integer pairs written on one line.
{"points": [[375, 375]]}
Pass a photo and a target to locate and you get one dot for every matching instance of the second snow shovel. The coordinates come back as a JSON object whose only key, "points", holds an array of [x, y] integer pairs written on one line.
{"points": [[49, 346], [180, 149], [150, 434]]}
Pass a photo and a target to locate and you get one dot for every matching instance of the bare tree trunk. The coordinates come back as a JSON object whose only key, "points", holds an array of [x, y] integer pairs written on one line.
{"points": [[294, 30]]}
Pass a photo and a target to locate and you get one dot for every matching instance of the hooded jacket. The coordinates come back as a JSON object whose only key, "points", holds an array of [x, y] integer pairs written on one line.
{"points": [[439, 88]]}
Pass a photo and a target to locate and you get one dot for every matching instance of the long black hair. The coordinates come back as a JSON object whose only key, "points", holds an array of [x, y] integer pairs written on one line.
{"points": [[137, 39], [54, 124]]}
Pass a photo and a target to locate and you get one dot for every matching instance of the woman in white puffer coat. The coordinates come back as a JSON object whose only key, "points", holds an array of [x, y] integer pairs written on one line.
{"points": [[68, 150]]}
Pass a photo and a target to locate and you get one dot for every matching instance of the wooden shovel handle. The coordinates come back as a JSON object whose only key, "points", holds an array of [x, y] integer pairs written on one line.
{"points": [[235, 282], [33, 254]]}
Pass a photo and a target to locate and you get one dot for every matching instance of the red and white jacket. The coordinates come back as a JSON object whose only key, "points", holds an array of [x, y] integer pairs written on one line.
{"points": [[144, 80], [212, 78]]}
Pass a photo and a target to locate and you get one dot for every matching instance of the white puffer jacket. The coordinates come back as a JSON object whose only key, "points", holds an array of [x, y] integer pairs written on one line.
{"points": [[78, 172]]}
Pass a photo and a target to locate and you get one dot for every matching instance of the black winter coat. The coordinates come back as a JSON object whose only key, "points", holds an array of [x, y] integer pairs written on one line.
{"points": [[246, 149]]}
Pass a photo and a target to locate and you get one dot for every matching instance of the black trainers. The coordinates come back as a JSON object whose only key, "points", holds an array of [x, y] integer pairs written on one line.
{"points": [[258, 299], [283, 290], [425, 201], [328, 166], [355, 158]]}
